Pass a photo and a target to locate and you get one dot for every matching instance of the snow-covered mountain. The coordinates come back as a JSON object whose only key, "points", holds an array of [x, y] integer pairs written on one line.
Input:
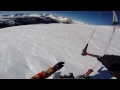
{"points": [[29, 49], [25, 19]]}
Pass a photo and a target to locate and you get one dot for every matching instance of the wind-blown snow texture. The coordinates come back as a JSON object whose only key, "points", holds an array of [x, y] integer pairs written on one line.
{"points": [[29, 49]]}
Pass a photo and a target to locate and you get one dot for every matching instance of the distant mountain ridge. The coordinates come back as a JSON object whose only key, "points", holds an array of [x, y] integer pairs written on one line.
{"points": [[25, 19]]}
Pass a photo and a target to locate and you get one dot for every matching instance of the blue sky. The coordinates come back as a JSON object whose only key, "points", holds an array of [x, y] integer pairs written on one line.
{"points": [[90, 17]]}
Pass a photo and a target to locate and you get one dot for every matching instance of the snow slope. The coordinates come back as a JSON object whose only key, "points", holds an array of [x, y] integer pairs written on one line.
{"points": [[29, 49]]}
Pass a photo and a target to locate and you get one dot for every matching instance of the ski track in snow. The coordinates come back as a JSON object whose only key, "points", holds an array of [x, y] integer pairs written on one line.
{"points": [[29, 49], [96, 46]]}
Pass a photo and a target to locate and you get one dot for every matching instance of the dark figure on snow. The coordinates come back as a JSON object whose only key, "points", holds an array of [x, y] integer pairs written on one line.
{"points": [[111, 62]]}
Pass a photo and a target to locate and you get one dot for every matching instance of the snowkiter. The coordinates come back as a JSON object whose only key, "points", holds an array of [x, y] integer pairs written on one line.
{"points": [[58, 66], [49, 72], [111, 62]]}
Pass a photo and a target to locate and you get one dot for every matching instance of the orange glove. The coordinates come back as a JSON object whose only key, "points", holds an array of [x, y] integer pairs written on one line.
{"points": [[44, 74]]}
